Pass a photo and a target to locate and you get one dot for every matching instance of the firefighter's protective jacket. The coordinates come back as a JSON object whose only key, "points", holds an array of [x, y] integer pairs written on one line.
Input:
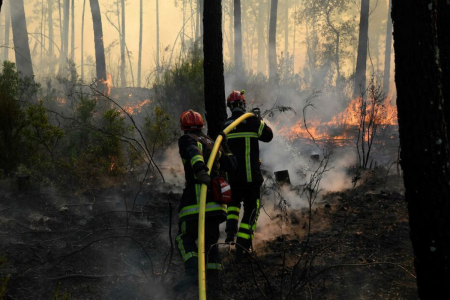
{"points": [[243, 142], [195, 149]]}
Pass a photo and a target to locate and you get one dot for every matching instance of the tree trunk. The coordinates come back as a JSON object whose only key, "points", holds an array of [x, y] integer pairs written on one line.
{"points": [[231, 23], [387, 52], [293, 46], [20, 38], [51, 38], [99, 46], [42, 41], [273, 42], [237, 38], [123, 80], [213, 68], [140, 45], [286, 36], [64, 37], [202, 29], [443, 19], [1, 23], [82, 41], [424, 143], [261, 40], [157, 38], [72, 35], [360, 74], [7, 29]]}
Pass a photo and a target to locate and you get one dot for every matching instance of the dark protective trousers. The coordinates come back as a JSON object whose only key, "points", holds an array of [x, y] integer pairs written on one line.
{"points": [[188, 234], [249, 194]]}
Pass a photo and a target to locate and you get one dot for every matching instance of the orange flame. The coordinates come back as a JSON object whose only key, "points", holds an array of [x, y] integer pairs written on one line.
{"points": [[133, 109], [344, 125], [107, 83]]}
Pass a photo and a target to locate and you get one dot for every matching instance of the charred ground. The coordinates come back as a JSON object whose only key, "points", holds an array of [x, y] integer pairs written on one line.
{"points": [[84, 246]]}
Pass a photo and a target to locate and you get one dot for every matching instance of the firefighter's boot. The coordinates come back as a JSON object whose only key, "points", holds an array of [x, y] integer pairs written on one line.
{"points": [[230, 237], [189, 280]]}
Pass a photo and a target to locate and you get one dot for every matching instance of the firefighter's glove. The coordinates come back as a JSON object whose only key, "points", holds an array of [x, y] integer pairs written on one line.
{"points": [[224, 143], [257, 112], [203, 177]]}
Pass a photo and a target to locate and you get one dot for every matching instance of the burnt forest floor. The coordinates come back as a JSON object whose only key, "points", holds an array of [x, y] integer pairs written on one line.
{"points": [[57, 246]]}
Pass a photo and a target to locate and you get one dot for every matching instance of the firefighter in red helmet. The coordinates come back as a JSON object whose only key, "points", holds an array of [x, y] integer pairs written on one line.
{"points": [[195, 148], [247, 179]]}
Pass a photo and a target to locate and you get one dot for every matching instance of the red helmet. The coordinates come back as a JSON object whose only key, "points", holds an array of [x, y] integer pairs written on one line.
{"points": [[191, 120], [236, 96]]}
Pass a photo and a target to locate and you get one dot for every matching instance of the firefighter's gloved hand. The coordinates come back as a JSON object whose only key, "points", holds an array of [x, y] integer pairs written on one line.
{"points": [[203, 177], [257, 112], [224, 143]]}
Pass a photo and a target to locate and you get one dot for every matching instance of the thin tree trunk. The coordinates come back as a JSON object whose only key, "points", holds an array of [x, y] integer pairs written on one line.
{"points": [[293, 46], [51, 38], [123, 80], [140, 44], [261, 40], [20, 39], [387, 52], [99, 46], [157, 38], [72, 36], [213, 68], [82, 41], [42, 38], [286, 36], [231, 23], [237, 39], [64, 37], [7, 29], [273, 42], [425, 157], [360, 74]]}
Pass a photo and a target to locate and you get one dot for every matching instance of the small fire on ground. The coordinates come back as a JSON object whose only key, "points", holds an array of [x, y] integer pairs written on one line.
{"points": [[344, 126], [136, 108]]}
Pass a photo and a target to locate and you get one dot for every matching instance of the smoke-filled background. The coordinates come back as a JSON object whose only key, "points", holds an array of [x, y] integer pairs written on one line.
{"points": [[99, 141], [169, 28]]}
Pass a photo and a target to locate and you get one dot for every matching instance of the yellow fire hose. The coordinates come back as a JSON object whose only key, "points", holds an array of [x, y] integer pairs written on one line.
{"points": [[201, 212]]}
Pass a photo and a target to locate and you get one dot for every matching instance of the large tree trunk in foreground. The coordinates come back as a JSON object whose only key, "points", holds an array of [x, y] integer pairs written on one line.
{"points": [[213, 67], [20, 38], [99, 47], [387, 52], [424, 142], [443, 25], [360, 74], [273, 41]]}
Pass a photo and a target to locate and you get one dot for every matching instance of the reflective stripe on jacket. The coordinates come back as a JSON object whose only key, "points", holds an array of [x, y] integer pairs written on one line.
{"points": [[195, 149], [243, 142]]}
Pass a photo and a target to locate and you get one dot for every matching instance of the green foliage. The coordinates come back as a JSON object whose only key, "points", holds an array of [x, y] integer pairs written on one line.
{"points": [[182, 87], [40, 132], [13, 93], [159, 129]]}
